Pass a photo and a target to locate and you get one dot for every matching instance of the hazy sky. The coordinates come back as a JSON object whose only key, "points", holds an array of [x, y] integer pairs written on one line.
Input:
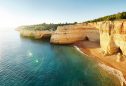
{"points": [[19, 12]]}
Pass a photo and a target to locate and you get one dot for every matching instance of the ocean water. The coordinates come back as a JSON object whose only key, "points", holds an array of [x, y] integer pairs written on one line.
{"points": [[28, 62]]}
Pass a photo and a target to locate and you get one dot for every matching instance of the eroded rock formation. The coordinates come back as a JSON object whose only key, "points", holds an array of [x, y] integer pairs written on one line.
{"points": [[35, 34], [73, 33], [112, 36]]}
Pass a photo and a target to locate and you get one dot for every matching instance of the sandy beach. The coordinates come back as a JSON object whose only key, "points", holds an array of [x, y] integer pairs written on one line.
{"points": [[93, 50]]}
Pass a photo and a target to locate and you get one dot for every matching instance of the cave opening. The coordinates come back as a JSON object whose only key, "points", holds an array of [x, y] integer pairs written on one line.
{"points": [[86, 38], [46, 37], [120, 51]]}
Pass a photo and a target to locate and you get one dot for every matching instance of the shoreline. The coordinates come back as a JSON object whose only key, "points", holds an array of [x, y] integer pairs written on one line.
{"points": [[104, 64]]}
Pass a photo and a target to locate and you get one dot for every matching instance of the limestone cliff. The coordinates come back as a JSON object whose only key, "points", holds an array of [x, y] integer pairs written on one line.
{"points": [[107, 42], [35, 34], [72, 33], [112, 36]]}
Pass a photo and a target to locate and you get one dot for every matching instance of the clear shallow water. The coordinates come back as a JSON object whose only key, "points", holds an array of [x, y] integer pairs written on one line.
{"points": [[26, 62]]}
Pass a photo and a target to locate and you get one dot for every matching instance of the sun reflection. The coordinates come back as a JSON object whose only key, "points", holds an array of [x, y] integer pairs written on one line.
{"points": [[36, 61], [30, 54]]}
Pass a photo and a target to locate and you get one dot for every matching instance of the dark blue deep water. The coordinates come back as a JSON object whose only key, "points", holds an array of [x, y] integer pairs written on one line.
{"points": [[28, 62]]}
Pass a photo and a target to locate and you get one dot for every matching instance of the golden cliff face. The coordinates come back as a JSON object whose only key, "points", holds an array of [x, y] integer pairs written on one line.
{"points": [[113, 36], [35, 34], [120, 35], [106, 39], [72, 33]]}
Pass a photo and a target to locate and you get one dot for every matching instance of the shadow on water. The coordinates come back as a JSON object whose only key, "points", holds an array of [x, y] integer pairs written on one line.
{"points": [[36, 41], [33, 39], [45, 40]]}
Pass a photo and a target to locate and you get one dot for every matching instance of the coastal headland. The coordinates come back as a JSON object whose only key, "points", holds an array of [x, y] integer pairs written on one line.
{"points": [[104, 41]]}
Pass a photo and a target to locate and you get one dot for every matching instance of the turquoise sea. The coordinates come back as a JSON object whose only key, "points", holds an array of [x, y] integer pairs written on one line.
{"points": [[28, 62]]}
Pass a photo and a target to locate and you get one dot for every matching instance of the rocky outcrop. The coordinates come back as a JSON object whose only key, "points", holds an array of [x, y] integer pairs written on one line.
{"points": [[35, 34], [106, 38], [72, 33], [113, 36]]}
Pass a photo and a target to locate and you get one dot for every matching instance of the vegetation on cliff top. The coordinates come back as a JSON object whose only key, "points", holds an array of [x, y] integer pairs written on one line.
{"points": [[117, 16], [53, 27], [44, 26]]}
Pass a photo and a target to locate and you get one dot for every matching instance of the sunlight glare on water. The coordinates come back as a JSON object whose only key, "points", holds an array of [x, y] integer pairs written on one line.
{"points": [[30, 54], [36, 61]]}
